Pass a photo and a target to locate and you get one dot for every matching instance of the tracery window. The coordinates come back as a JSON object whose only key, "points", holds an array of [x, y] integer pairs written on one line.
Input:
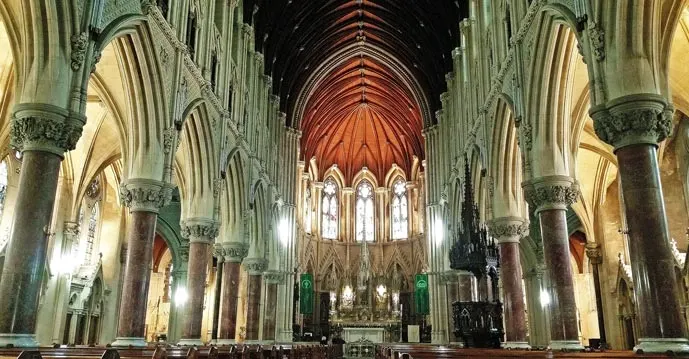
{"points": [[91, 234], [399, 212], [329, 208], [364, 212], [307, 211]]}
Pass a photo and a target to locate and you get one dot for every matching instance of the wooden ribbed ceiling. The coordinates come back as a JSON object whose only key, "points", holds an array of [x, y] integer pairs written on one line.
{"points": [[360, 78]]}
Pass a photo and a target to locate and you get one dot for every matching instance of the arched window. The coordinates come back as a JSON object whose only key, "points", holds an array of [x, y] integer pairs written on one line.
{"points": [[329, 208], [91, 235], [191, 34], [307, 211], [364, 212], [399, 212]]}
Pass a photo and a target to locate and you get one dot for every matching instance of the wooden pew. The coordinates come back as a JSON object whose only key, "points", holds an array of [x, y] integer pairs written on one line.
{"points": [[21, 354]]}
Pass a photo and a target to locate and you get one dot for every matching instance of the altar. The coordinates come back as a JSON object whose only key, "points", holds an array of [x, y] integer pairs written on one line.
{"points": [[375, 335]]}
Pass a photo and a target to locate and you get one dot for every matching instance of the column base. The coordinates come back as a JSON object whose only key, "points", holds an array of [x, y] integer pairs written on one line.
{"points": [[457, 344], [221, 342], [18, 340], [129, 342], [190, 342], [566, 345], [662, 345], [516, 345], [285, 336]]}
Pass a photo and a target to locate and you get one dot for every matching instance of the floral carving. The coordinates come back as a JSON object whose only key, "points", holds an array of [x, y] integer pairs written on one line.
{"points": [[508, 228], [199, 231], [44, 133], [235, 251], [638, 125], [545, 194], [79, 45], [140, 195], [597, 36]]}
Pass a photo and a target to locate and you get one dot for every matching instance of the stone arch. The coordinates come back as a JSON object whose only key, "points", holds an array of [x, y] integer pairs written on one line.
{"points": [[197, 156], [235, 202]]}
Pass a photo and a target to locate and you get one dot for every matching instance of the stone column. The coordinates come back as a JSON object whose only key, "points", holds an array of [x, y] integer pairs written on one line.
{"points": [[272, 280], [200, 232], [508, 231], [634, 125], [255, 268], [143, 197], [451, 280], [234, 254], [538, 315], [218, 254], [596, 258], [42, 133], [549, 197]]}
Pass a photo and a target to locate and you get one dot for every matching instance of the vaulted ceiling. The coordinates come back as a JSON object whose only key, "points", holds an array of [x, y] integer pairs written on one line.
{"points": [[360, 78]]}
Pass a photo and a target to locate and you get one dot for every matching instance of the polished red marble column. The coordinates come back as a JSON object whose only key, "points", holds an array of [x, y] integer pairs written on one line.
{"points": [[270, 308], [596, 258], [634, 125], [201, 233], [42, 133], [551, 196], [234, 253], [144, 198], [22, 273], [253, 306], [508, 231]]}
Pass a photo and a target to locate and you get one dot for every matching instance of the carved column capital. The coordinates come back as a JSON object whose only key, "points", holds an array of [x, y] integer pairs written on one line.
{"points": [[141, 194], [201, 230], [46, 128], [274, 277], [255, 266], [594, 253], [234, 252], [508, 229], [551, 192], [633, 119], [71, 229]]}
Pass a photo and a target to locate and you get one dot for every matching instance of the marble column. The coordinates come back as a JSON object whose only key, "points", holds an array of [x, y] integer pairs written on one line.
{"points": [[272, 280], [218, 254], [550, 196], [596, 258], [234, 254], [508, 231], [144, 198], [255, 268], [634, 125], [200, 232], [42, 133]]}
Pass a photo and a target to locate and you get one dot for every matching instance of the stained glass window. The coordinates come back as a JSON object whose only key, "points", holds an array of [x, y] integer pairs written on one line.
{"points": [[329, 208], [91, 235], [364, 212], [399, 212]]}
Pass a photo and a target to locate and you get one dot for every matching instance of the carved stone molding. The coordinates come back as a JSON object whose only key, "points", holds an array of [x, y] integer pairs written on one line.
{"points": [[255, 266], [140, 194], [594, 253], [551, 192], [46, 128], [634, 119], [597, 37], [71, 229], [200, 230], [234, 252], [508, 229], [274, 277]]}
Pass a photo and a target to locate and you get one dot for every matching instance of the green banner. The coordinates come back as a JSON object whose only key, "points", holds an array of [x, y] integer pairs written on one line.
{"points": [[421, 294], [306, 294]]}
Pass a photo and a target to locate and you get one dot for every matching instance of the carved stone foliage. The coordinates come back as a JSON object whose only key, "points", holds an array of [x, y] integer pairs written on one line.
{"points": [[145, 195], [199, 230], [597, 37], [234, 251], [255, 266], [551, 192], [45, 133], [644, 125], [79, 45], [71, 230], [508, 228], [274, 277], [594, 253]]}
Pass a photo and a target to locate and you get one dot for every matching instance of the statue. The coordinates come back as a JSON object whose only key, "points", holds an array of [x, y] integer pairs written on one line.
{"points": [[396, 279]]}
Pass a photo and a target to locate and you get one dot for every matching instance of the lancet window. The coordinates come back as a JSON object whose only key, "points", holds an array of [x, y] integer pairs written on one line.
{"points": [[364, 212], [329, 208], [399, 212]]}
